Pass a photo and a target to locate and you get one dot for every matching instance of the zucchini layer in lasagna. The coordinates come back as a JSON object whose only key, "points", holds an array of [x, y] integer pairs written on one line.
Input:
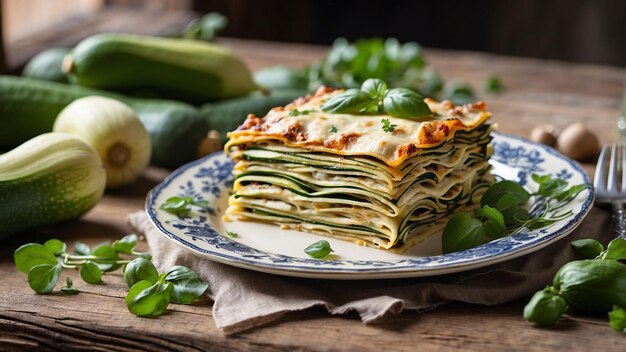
{"points": [[343, 176]]}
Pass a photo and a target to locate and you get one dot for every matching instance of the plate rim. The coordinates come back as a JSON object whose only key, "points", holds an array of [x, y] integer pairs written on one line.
{"points": [[372, 272]]}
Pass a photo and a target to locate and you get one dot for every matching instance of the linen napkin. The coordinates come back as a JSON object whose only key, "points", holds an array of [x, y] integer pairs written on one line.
{"points": [[245, 299]]}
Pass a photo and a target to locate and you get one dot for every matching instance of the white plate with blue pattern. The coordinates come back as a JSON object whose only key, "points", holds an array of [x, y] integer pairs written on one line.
{"points": [[267, 248]]}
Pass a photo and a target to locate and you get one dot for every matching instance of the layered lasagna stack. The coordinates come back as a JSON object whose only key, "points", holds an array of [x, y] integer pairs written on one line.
{"points": [[375, 180]]}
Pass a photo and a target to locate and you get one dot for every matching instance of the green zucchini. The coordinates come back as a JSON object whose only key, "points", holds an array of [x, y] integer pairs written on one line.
{"points": [[226, 116], [50, 178], [29, 107], [47, 65], [182, 69]]}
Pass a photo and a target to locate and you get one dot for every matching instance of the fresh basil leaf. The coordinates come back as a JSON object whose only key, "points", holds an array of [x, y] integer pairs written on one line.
{"points": [[176, 205], [33, 254], [351, 101], [146, 299], [512, 212], [318, 249], [545, 308], [126, 244], [462, 232], [551, 186], [375, 88], [179, 272], [55, 246], [405, 103], [587, 248], [615, 250], [107, 255], [81, 248], [90, 273], [140, 269], [499, 189], [187, 291], [493, 85], [617, 319], [187, 286], [43, 277], [333, 129], [69, 288], [493, 222]]}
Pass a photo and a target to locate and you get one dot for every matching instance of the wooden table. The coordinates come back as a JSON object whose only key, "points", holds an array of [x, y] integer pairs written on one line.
{"points": [[96, 319]]}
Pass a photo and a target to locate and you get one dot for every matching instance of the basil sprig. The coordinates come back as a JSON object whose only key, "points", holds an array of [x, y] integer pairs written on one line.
{"points": [[375, 98], [502, 213], [149, 294]]}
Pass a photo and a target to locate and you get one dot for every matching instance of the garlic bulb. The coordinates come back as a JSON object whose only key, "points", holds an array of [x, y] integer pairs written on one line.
{"points": [[114, 130]]}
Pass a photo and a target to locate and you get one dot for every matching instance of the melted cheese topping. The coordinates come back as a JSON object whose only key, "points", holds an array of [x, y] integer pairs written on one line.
{"points": [[314, 129]]}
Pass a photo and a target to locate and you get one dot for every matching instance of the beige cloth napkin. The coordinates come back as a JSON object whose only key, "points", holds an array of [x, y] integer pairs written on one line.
{"points": [[244, 299]]}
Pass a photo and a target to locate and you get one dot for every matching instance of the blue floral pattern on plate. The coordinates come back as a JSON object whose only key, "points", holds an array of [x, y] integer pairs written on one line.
{"points": [[210, 179]]}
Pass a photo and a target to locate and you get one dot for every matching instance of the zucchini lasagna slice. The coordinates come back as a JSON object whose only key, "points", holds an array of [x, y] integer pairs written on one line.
{"points": [[343, 176]]}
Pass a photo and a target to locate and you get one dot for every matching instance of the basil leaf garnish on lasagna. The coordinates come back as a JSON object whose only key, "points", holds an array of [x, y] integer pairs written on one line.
{"points": [[340, 175]]}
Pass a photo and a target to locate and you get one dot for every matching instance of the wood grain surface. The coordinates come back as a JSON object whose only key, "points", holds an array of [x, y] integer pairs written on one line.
{"points": [[96, 319]]}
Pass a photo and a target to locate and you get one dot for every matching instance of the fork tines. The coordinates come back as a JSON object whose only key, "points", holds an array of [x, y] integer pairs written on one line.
{"points": [[610, 177]]}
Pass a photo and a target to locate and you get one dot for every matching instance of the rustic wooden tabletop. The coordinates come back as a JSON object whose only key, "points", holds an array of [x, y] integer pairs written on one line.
{"points": [[536, 92]]}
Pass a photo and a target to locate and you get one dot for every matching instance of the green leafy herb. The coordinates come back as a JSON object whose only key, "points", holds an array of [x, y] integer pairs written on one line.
{"points": [[296, 112], [54, 257], [81, 248], [43, 277], [405, 103], [32, 254], [55, 246], [462, 232], [318, 249], [351, 64], [545, 308], [69, 288], [503, 213], [150, 293], [375, 98], [107, 257], [352, 101], [388, 126], [146, 299], [231, 234], [126, 244], [615, 250], [375, 88], [493, 85], [499, 189], [140, 269], [187, 286], [617, 319], [90, 273], [333, 129], [587, 248], [182, 205]]}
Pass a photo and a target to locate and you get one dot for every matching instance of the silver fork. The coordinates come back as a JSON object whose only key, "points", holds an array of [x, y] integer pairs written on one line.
{"points": [[610, 183]]}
